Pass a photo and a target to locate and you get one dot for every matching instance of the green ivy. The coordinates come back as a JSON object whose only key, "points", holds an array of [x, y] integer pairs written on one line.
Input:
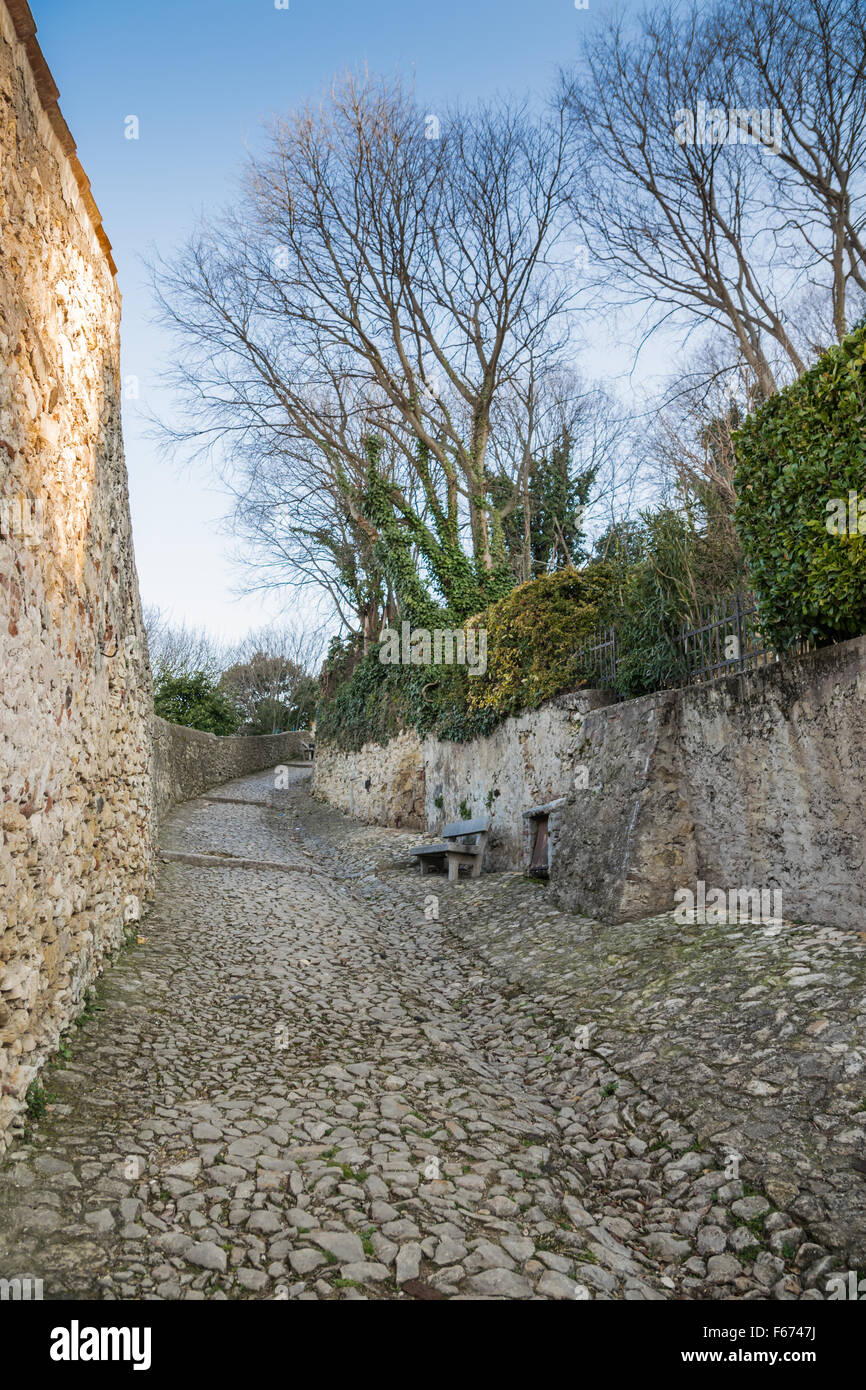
{"points": [[532, 638]]}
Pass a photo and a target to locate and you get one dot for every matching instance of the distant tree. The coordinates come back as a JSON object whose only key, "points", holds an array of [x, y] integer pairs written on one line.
{"points": [[196, 701], [272, 680], [178, 650], [559, 444], [272, 693]]}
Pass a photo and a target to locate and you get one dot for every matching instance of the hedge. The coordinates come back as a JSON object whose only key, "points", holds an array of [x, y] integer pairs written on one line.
{"points": [[801, 450]]}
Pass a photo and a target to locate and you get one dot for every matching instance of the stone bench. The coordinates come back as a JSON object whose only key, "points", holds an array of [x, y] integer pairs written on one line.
{"points": [[463, 842]]}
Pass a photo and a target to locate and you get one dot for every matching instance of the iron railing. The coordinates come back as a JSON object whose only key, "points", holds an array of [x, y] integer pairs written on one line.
{"points": [[725, 641], [728, 640], [597, 658]]}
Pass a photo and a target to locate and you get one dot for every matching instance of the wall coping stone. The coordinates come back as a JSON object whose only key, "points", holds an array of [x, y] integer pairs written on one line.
{"points": [[24, 26]]}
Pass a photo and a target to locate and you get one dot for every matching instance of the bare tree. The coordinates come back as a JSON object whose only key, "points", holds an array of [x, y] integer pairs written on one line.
{"points": [[720, 156], [297, 516], [271, 678], [376, 283], [690, 440], [179, 650], [808, 57]]}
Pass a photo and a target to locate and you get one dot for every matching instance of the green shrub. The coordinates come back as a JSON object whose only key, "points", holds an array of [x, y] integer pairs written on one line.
{"points": [[197, 702], [804, 447], [664, 566]]}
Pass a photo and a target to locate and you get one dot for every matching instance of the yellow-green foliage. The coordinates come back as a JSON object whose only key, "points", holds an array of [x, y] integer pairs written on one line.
{"points": [[532, 636]]}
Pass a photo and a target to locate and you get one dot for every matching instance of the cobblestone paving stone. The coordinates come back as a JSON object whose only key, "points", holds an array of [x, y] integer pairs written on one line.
{"points": [[322, 1076]]}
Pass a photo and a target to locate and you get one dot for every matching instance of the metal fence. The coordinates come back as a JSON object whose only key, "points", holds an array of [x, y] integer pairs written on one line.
{"points": [[597, 658], [726, 641]]}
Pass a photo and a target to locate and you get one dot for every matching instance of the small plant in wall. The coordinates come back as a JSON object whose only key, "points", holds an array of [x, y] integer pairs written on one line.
{"points": [[465, 812], [439, 802], [37, 1101]]}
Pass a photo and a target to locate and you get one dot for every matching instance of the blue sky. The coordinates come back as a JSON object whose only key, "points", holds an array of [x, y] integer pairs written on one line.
{"points": [[202, 76]]}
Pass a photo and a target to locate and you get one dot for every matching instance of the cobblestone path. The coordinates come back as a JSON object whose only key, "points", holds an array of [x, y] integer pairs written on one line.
{"points": [[321, 1076]]}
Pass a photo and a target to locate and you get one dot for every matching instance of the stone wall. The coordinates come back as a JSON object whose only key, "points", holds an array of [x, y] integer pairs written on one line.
{"points": [[422, 785], [754, 781], [75, 694], [776, 782], [382, 785], [528, 760], [624, 833], [186, 762]]}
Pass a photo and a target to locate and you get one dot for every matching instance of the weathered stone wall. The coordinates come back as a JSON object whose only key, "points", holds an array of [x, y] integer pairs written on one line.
{"points": [[755, 781], [775, 766], [421, 785], [529, 760], [186, 762], [75, 694], [382, 785], [625, 833]]}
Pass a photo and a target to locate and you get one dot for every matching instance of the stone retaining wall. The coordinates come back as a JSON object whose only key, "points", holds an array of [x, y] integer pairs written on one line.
{"points": [[529, 760], [625, 834], [186, 762], [753, 782], [382, 785], [776, 782], [75, 692], [424, 785]]}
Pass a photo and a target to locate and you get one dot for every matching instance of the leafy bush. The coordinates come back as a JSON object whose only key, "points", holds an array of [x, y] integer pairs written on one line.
{"points": [[804, 447], [664, 566], [196, 701], [532, 637]]}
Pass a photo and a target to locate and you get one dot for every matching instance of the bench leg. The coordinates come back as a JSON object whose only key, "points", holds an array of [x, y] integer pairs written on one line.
{"points": [[476, 867], [453, 870]]}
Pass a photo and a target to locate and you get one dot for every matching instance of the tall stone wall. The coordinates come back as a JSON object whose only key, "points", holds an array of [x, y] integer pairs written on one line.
{"points": [[624, 836], [75, 696], [186, 762], [753, 782], [776, 782]]}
